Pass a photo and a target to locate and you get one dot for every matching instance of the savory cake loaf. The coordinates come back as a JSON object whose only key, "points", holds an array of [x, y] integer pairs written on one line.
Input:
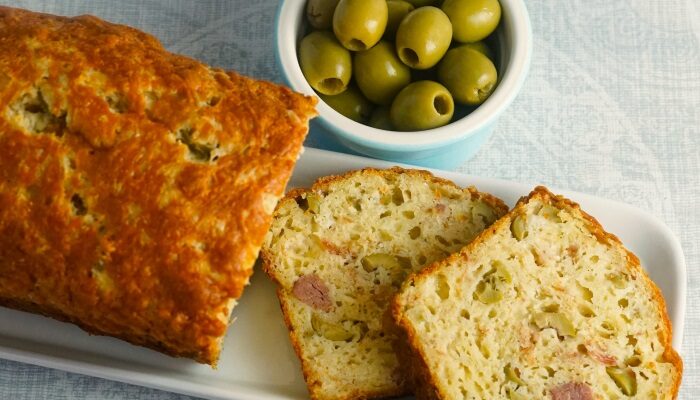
{"points": [[542, 305], [339, 251], [136, 186]]}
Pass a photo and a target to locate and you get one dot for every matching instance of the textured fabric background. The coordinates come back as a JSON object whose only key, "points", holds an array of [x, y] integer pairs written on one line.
{"points": [[611, 108]]}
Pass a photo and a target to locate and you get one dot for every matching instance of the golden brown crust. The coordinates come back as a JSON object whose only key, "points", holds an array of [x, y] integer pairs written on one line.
{"points": [[135, 184], [425, 385], [323, 184]]}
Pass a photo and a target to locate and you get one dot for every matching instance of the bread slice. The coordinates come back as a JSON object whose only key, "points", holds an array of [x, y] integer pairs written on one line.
{"points": [[136, 185], [543, 305], [340, 250]]}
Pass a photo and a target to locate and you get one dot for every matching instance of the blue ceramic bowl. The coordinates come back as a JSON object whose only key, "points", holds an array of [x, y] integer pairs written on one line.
{"points": [[445, 147]]}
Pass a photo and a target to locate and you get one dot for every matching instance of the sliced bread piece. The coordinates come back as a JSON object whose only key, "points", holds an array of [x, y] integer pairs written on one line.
{"points": [[339, 252], [543, 305]]}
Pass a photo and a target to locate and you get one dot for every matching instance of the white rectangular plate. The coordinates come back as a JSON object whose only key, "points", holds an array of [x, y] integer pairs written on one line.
{"points": [[258, 361]]}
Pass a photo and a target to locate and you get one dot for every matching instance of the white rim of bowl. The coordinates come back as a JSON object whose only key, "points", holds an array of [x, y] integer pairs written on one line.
{"points": [[486, 113]]}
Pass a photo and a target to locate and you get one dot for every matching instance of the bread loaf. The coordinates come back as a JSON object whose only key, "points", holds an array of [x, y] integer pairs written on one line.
{"points": [[544, 304], [136, 186], [340, 250]]}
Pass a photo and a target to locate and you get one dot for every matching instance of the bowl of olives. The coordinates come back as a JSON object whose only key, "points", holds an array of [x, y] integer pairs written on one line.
{"points": [[415, 81]]}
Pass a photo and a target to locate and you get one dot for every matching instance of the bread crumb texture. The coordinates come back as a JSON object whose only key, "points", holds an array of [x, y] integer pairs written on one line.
{"points": [[136, 185], [543, 305], [340, 251]]}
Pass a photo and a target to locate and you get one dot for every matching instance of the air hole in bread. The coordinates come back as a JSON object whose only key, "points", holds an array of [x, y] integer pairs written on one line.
{"points": [[536, 257], [385, 214], [608, 329], [409, 214], [78, 204], [483, 347], [551, 308], [422, 259], [196, 151], [623, 303], [442, 240], [586, 293], [414, 233], [34, 115], [117, 103], [465, 314], [302, 203], [618, 280], [585, 311], [213, 101], [355, 203], [442, 287]]}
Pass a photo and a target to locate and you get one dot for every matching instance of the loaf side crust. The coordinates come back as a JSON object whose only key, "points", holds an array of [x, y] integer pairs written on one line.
{"points": [[136, 185]]}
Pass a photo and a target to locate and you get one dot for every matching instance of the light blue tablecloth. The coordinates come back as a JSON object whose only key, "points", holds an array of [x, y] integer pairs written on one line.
{"points": [[611, 108]]}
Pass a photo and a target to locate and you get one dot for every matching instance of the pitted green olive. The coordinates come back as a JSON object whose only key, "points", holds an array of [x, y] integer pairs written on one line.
{"points": [[326, 65], [359, 24], [468, 74], [423, 37], [422, 105]]}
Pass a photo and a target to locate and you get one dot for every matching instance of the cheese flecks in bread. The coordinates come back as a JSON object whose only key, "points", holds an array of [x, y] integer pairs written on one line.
{"points": [[136, 185], [339, 251], [543, 305]]}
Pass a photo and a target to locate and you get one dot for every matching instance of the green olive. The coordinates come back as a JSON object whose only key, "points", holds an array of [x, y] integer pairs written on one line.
{"points": [[469, 75], [380, 119], [423, 37], [326, 65], [351, 103], [380, 74], [398, 9], [422, 105], [359, 24], [472, 20], [320, 13], [481, 47]]}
